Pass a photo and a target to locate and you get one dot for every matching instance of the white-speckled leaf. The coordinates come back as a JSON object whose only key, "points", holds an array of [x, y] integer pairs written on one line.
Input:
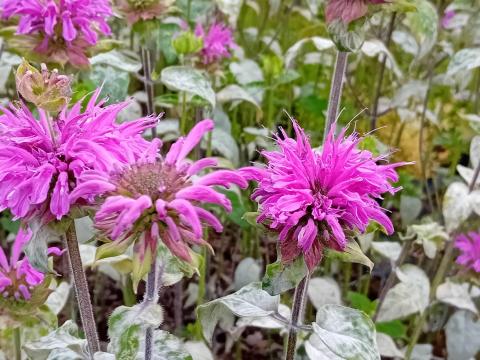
{"points": [[463, 336], [456, 295], [389, 249], [387, 347], [456, 206], [249, 301], [324, 290], [190, 80], [464, 60], [409, 296], [342, 333]]}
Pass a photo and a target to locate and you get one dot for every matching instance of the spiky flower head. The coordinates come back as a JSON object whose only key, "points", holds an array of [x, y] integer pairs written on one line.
{"points": [[312, 198], [160, 198], [137, 10], [42, 159], [469, 246], [347, 11], [46, 89], [217, 42], [61, 29], [20, 283]]}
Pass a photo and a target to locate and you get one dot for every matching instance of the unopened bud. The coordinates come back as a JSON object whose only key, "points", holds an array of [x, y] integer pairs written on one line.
{"points": [[187, 43], [46, 89]]}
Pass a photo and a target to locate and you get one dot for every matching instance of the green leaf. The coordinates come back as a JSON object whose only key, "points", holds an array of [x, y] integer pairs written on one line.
{"points": [[283, 277], [249, 301], [353, 253], [63, 343], [341, 333], [396, 329], [114, 82], [190, 80], [238, 209], [362, 302]]}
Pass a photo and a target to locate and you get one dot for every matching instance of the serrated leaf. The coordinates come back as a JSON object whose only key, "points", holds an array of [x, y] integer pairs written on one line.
{"points": [[281, 277], [250, 301], [190, 80], [341, 333]]}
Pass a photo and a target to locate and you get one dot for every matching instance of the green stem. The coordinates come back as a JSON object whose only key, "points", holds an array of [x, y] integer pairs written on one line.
{"points": [[17, 340], [297, 317], [129, 298], [336, 90], [81, 290], [183, 118], [151, 296], [149, 89], [347, 275]]}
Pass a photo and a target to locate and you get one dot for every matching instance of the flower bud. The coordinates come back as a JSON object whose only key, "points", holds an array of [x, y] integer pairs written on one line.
{"points": [[187, 43], [46, 89]]}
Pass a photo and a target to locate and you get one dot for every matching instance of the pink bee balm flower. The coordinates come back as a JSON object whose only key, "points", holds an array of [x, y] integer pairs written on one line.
{"points": [[469, 246], [17, 277], [311, 198], [66, 19], [41, 160], [61, 30], [159, 198], [447, 18], [217, 42], [348, 10]]}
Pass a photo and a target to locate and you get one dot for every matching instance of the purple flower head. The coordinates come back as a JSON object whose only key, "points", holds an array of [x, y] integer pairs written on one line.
{"points": [[60, 30], [41, 160], [447, 18], [61, 19], [137, 10], [18, 279], [469, 246], [311, 198], [217, 42], [159, 198], [348, 10]]}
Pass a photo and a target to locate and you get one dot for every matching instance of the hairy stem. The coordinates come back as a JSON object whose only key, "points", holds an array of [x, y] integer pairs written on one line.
{"points": [[297, 317], [391, 277], [81, 290], [151, 296], [336, 90], [381, 74], [17, 341], [147, 75]]}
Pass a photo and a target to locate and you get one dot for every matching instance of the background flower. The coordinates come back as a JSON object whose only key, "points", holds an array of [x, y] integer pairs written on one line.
{"points": [[136, 10], [217, 42], [311, 198], [42, 159], [469, 246], [159, 198], [348, 10], [62, 30], [18, 279]]}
